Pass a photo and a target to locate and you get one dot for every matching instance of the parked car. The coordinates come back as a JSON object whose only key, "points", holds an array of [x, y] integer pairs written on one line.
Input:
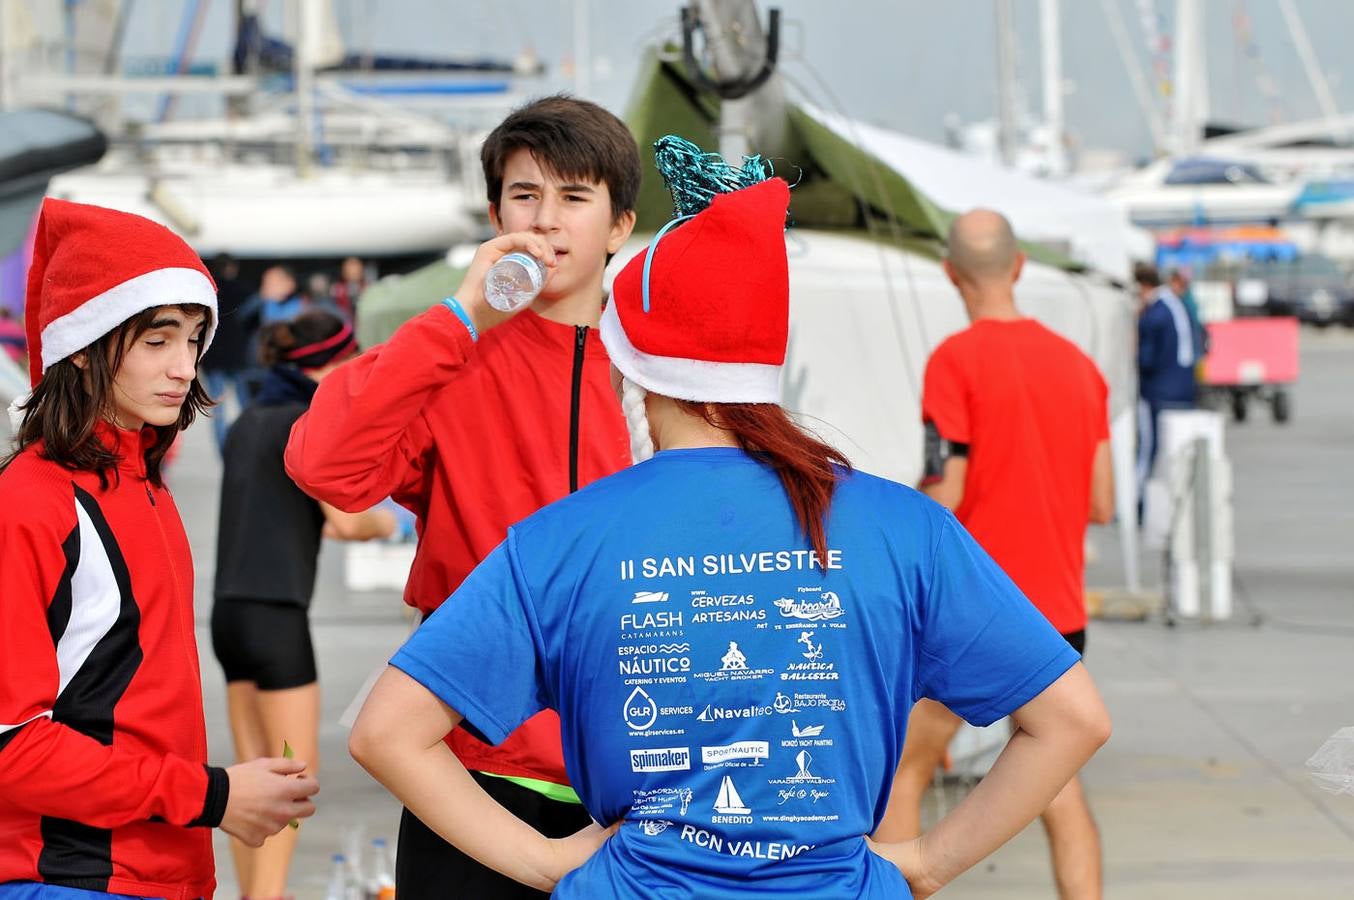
{"points": [[1314, 288]]}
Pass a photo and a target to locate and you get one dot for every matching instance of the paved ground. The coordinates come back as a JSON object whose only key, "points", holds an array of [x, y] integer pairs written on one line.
{"points": [[1202, 791]]}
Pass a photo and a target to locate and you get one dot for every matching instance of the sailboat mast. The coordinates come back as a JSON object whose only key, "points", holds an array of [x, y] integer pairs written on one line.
{"points": [[740, 69], [1190, 110], [1050, 42], [582, 51], [735, 44], [303, 62], [1006, 84], [1303, 44], [1136, 79]]}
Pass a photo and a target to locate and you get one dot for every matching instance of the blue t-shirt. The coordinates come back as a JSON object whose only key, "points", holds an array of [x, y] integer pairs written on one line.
{"points": [[739, 702]]}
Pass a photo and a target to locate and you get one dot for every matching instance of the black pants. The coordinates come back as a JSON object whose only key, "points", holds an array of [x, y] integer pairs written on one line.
{"points": [[428, 868]]}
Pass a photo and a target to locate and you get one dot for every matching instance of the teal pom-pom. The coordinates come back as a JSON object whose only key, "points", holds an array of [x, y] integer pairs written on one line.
{"points": [[694, 177]]}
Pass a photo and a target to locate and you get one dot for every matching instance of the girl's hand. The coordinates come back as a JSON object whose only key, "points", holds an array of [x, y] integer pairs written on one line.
{"points": [[907, 856], [571, 852]]}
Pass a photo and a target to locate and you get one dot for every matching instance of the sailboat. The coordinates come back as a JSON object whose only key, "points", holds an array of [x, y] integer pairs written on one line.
{"points": [[729, 803], [327, 167]]}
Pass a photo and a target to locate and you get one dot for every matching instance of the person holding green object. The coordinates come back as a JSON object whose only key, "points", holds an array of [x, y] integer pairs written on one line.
{"points": [[268, 544]]}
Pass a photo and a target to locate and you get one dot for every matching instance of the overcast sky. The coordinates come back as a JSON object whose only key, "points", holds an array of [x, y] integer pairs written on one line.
{"points": [[904, 64]]}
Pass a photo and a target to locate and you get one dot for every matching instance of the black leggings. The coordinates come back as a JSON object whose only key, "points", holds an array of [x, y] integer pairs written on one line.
{"points": [[264, 642], [428, 868]]}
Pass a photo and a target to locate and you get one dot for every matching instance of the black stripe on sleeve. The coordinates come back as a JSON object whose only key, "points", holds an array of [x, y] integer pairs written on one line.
{"points": [[59, 611], [214, 804]]}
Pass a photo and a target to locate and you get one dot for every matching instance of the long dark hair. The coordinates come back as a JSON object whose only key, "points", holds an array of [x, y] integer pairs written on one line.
{"points": [[806, 465], [69, 401]]}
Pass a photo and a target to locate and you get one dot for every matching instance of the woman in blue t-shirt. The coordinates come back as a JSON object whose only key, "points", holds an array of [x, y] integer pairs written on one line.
{"points": [[733, 631]]}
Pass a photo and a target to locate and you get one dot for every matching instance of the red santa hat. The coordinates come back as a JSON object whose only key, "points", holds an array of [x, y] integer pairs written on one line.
{"points": [[703, 313], [93, 269]]}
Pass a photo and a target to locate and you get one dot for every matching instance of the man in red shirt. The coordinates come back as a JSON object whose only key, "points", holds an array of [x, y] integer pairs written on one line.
{"points": [[474, 429], [1017, 444]]}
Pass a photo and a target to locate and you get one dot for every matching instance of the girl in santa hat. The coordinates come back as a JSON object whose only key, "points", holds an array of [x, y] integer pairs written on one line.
{"points": [[846, 597], [104, 782]]}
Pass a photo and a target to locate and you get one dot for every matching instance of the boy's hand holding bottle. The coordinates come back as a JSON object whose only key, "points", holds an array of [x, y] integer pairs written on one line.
{"points": [[502, 280]]}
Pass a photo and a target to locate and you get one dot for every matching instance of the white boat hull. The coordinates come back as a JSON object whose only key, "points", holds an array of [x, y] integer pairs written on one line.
{"points": [[268, 212], [1157, 206]]}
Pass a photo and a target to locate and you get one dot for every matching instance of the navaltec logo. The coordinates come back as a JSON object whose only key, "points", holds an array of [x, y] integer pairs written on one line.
{"points": [[720, 713], [660, 759]]}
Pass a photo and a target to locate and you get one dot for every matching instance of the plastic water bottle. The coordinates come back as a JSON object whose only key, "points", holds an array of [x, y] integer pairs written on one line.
{"points": [[354, 839], [338, 879], [514, 281], [381, 883]]}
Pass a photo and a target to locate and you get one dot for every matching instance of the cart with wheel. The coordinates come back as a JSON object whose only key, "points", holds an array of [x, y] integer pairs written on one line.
{"points": [[1251, 360]]}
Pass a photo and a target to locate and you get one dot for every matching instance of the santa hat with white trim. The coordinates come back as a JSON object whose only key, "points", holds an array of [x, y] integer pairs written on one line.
{"points": [[93, 269], [703, 313]]}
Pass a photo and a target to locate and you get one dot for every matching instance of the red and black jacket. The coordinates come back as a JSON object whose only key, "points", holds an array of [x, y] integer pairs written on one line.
{"points": [[102, 743]]}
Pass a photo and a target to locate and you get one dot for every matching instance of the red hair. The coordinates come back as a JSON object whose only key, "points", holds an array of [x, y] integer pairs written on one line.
{"points": [[806, 466]]}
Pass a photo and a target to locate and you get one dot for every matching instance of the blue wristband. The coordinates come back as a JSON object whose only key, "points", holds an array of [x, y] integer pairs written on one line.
{"points": [[454, 305]]}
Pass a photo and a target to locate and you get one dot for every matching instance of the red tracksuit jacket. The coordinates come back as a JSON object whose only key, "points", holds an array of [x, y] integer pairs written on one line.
{"points": [[471, 438], [102, 741]]}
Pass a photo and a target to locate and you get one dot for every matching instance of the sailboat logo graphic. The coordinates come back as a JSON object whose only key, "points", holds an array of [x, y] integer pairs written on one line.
{"points": [[728, 802]]}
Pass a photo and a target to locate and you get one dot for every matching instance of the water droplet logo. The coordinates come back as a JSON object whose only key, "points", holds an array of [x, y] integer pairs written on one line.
{"points": [[640, 710]]}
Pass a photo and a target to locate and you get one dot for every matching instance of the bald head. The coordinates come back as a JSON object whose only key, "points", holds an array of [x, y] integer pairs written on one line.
{"points": [[982, 247]]}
